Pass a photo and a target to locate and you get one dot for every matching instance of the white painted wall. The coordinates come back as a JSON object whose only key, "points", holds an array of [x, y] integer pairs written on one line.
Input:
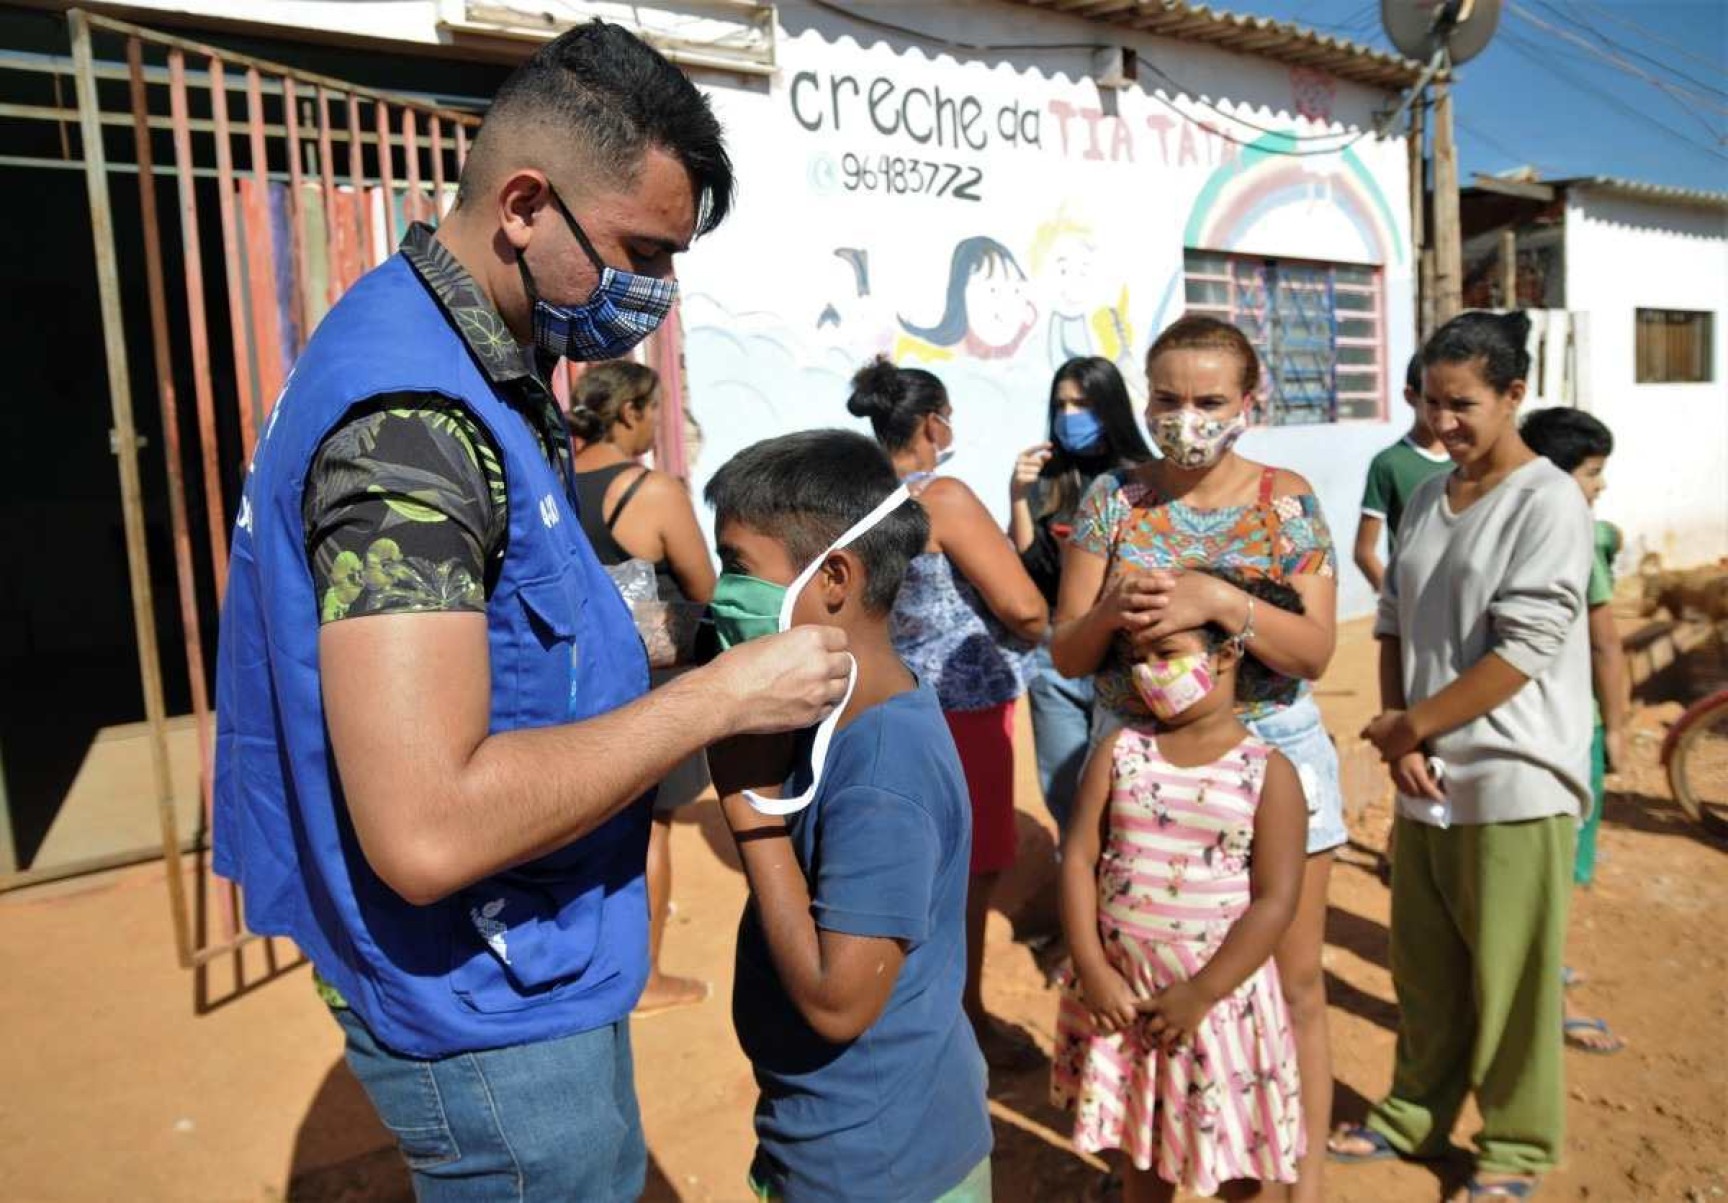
{"points": [[1096, 211], [1668, 478]]}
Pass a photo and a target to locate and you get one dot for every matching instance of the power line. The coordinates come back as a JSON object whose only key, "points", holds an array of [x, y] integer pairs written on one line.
{"points": [[1535, 54], [1619, 64], [1556, 11], [1493, 143], [1626, 22]]}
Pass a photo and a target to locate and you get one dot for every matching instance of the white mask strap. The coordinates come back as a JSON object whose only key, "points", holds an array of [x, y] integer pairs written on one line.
{"points": [[824, 731]]}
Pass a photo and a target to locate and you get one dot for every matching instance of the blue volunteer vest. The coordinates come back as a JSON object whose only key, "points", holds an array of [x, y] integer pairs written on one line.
{"points": [[548, 949]]}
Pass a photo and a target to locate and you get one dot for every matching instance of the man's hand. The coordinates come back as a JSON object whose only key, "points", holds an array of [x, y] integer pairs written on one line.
{"points": [[782, 682]]}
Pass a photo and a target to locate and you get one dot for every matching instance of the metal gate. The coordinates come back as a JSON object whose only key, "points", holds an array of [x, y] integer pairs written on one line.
{"points": [[314, 181]]}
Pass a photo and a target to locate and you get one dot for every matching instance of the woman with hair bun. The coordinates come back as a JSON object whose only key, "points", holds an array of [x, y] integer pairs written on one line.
{"points": [[966, 620], [632, 513], [1486, 698]]}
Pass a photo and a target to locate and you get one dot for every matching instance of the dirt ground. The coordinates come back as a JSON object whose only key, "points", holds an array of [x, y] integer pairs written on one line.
{"points": [[125, 1077]]}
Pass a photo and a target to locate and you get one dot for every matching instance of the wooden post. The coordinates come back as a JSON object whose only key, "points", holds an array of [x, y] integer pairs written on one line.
{"points": [[1448, 244], [1418, 148], [1508, 268]]}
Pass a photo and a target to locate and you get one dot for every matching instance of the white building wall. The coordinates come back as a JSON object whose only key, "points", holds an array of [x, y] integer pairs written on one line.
{"points": [[1095, 196], [818, 270], [1668, 478]]}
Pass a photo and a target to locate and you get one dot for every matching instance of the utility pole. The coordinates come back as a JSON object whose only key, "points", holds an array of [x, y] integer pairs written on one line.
{"points": [[1423, 257], [1448, 245], [1508, 268]]}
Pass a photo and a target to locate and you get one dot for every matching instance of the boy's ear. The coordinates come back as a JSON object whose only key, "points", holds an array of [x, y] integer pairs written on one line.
{"points": [[842, 576]]}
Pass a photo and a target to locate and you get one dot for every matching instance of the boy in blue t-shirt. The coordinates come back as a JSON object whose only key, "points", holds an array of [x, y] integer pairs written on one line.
{"points": [[852, 950]]}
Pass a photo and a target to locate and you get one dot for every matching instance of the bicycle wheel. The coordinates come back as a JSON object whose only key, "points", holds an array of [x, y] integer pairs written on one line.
{"points": [[1698, 764]]}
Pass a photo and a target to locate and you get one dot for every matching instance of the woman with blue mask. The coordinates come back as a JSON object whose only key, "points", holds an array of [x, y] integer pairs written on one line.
{"points": [[1091, 430], [966, 621]]}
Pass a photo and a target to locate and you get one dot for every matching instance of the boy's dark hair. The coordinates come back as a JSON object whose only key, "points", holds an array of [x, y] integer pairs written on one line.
{"points": [[1413, 374], [1566, 436], [806, 489], [895, 399], [1253, 679], [607, 96], [1497, 339]]}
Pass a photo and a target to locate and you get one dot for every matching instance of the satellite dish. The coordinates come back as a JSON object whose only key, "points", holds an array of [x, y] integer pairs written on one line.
{"points": [[1421, 29]]}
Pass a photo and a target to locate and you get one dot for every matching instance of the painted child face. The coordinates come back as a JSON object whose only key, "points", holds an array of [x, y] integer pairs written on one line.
{"points": [[1466, 412], [998, 310], [1591, 476]]}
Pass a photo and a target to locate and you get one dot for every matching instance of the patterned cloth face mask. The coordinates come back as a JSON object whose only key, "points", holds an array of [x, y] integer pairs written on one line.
{"points": [[624, 308], [741, 611], [1171, 686], [1190, 439]]}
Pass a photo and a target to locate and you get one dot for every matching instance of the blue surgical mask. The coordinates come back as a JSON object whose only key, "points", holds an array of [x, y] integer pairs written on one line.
{"points": [[624, 308], [1078, 431]]}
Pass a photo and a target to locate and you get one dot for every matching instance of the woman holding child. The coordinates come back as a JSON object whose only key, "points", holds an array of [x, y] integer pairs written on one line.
{"points": [[1127, 583]]}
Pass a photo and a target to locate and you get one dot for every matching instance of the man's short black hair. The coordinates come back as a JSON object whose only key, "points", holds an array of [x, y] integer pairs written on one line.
{"points": [[610, 96], [1413, 374], [806, 489], [1566, 436]]}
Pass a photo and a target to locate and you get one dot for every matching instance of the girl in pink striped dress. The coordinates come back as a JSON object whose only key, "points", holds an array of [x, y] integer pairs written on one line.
{"points": [[1180, 871]]}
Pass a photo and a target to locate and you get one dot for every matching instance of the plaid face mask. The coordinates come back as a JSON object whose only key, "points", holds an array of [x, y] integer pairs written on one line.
{"points": [[624, 308]]}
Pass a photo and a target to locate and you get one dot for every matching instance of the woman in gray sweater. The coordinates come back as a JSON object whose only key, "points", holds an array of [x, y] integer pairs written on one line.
{"points": [[1485, 687]]}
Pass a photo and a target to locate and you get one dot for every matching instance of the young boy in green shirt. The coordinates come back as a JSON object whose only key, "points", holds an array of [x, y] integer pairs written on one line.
{"points": [[1577, 443], [1392, 476]]}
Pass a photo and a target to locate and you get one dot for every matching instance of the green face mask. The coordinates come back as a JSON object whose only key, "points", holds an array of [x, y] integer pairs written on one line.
{"points": [[745, 608]]}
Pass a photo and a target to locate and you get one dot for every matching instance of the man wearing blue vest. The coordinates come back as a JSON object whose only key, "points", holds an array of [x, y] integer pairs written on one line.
{"points": [[435, 737]]}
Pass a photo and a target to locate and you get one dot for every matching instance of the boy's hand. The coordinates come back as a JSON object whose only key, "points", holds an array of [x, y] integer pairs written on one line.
{"points": [[1111, 999], [1615, 740], [1174, 1013], [756, 762]]}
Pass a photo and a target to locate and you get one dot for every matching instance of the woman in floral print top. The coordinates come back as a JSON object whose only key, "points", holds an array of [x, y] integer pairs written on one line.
{"points": [[1125, 585]]}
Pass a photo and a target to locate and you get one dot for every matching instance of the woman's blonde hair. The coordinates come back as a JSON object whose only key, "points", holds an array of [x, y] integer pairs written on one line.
{"points": [[600, 395]]}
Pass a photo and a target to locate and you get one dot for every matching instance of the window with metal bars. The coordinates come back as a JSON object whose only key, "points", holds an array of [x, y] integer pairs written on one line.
{"points": [[1673, 346], [1317, 326]]}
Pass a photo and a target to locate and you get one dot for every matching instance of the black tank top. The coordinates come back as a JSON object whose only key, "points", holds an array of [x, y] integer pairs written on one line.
{"points": [[591, 493]]}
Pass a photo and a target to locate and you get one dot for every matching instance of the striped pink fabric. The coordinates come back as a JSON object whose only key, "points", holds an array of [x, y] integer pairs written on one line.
{"points": [[1172, 879]]}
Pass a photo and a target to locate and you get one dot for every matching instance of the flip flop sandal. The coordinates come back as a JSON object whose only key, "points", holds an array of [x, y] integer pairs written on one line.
{"points": [[1517, 1188], [1572, 1026], [1382, 1148]]}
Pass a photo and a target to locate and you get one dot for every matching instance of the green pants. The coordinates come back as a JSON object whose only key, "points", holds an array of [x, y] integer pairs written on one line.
{"points": [[1478, 927], [1584, 866]]}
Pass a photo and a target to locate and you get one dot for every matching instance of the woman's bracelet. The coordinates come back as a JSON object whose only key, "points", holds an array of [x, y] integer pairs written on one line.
{"points": [[1247, 631]]}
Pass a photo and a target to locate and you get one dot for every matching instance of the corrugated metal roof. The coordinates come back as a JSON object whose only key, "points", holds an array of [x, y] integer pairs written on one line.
{"points": [[1661, 193], [1277, 40]]}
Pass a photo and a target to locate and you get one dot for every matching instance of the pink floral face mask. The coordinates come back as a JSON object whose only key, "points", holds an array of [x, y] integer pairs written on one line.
{"points": [[1190, 439], [1171, 686]]}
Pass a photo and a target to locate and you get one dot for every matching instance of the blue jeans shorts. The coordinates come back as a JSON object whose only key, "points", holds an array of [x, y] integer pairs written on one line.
{"points": [[533, 1123]]}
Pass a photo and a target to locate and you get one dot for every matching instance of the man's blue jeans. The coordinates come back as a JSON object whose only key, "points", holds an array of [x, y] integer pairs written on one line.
{"points": [[1061, 726], [533, 1123]]}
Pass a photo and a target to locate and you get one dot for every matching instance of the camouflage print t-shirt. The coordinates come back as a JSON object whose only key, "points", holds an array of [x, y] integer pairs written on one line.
{"points": [[405, 505]]}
